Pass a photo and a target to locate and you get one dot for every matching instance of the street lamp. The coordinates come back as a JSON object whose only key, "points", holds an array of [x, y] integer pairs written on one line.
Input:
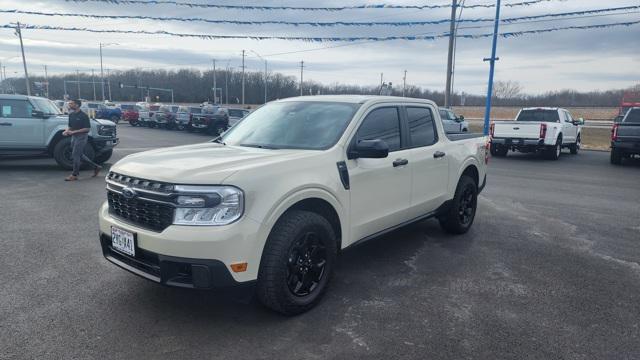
{"points": [[101, 69], [265, 75]]}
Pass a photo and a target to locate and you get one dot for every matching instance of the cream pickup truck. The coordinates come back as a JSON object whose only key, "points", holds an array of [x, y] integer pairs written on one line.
{"points": [[269, 205]]}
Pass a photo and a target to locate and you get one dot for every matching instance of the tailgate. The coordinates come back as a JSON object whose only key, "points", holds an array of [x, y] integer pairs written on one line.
{"points": [[516, 130], [629, 132]]}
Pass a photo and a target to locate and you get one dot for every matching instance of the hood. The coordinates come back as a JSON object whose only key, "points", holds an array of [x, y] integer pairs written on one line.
{"points": [[208, 163], [105, 122]]}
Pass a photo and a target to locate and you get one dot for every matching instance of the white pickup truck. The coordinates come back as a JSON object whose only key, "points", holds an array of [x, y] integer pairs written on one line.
{"points": [[545, 130], [270, 204]]}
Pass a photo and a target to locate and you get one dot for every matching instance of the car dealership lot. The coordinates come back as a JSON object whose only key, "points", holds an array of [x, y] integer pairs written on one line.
{"points": [[550, 269]]}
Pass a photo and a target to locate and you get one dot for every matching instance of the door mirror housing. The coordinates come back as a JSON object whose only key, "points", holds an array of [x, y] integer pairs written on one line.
{"points": [[580, 121], [460, 118], [38, 114], [370, 149]]}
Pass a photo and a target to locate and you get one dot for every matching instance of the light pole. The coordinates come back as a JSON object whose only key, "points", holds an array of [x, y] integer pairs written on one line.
{"points": [[492, 65], [102, 70], [265, 75]]}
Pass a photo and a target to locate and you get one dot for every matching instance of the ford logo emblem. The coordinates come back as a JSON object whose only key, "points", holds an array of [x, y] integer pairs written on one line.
{"points": [[516, 128], [129, 193]]}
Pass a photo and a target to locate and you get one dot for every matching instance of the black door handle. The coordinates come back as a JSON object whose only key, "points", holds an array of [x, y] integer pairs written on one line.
{"points": [[400, 162], [6, 124], [438, 154]]}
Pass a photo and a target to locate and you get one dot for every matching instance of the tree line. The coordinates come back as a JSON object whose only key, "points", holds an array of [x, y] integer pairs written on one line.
{"points": [[194, 86]]}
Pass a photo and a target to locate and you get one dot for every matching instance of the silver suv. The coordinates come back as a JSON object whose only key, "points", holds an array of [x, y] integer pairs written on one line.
{"points": [[32, 125]]}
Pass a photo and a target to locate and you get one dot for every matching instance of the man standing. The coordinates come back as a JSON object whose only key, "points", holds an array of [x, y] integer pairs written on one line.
{"points": [[78, 128]]}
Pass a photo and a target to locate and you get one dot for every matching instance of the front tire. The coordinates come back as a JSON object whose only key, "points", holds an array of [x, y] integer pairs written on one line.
{"points": [[297, 263], [574, 148], [115, 119], [460, 215], [62, 153], [103, 157]]}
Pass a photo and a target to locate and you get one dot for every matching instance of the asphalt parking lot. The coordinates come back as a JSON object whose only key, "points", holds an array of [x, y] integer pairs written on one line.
{"points": [[550, 269]]}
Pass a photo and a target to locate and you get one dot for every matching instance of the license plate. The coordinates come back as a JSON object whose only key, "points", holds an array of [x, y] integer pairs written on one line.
{"points": [[123, 241]]}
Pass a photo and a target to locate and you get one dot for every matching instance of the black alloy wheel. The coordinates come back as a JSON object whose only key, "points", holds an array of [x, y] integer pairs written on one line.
{"points": [[306, 264]]}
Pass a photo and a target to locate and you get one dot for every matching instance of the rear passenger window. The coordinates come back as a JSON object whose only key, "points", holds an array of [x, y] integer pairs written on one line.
{"points": [[422, 130], [382, 124], [15, 109]]}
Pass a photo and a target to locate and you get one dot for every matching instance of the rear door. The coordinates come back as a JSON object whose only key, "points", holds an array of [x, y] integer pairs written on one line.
{"points": [[18, 129], [428, 159], [569, 131], [380, 188]]}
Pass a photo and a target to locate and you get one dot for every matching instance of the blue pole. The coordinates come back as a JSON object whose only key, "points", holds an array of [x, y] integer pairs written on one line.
{"points": [[492, 65]]}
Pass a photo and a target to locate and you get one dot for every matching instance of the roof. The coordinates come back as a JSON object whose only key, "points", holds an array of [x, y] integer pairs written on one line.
{"points": [[16, 97], [358, 99]]}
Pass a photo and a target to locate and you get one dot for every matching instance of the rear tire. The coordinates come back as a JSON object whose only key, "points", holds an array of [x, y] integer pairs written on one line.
{"points": [[460, 215], [553, 152], [499, 150], [574, 148], [616, 156], [297, 263]]}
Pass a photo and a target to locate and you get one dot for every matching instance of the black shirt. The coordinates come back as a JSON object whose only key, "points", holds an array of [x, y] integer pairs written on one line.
{"points": [[79, 120]]}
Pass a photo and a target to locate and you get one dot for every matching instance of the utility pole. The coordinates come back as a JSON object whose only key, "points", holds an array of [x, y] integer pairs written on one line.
{"points": [[24, 60], [242, 77], [492, 64], [301, 75], [78, 78], [452, 36], [226, 86], [101, 75], [93, 81], [215, 89], [109, 84], [46, 80], [404, 83]]}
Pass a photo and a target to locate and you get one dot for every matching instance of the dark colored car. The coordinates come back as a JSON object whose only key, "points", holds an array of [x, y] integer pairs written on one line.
{"points": [[130, 113], [213, 120], [625, 137], [166, 116]]}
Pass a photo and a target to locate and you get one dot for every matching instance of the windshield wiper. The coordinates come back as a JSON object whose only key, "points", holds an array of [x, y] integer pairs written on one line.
{"points": [[260, 146], [218, 140]]}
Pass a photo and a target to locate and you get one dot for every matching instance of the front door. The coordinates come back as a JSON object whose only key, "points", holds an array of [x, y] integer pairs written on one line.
{"points": [[18, 129], [380, 188]]}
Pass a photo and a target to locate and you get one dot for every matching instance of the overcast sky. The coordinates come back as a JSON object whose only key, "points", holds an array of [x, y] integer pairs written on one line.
{"points": [[577, 59]]}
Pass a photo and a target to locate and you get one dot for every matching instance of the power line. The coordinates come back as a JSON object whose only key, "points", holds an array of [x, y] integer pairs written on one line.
{"points": [[300, 8], [318, 39], [314, 23]]}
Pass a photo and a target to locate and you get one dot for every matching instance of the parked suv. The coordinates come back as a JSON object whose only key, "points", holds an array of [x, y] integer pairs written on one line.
{"points": [[270, 204], [184, 116], [213, 120], [32, 125], [165, 117]]}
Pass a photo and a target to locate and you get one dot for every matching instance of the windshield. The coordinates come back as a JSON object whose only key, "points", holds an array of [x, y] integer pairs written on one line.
{"points": [[538, 115], [195, 110], [293, 125], [236, 113], [127, 107], [633, 116], [46, 106]]}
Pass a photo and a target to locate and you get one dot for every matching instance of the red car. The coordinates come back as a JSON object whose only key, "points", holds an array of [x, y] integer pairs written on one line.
{"points": [[130, 113]]}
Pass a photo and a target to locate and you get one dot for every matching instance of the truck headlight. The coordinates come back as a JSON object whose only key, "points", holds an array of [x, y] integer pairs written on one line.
{"points": [[208, 205], [106, 130]]}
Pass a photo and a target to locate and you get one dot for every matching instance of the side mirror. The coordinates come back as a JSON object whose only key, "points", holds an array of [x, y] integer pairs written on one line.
{"points": [[461, 118], [38, 114], [580, 121], [372, 149]]}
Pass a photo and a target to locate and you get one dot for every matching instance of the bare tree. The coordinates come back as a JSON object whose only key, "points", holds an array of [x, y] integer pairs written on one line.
{"points": [[506, 89]]}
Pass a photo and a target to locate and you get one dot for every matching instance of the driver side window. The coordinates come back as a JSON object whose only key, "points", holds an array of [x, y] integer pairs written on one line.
{"points": [[382, 124], [15, 109]]}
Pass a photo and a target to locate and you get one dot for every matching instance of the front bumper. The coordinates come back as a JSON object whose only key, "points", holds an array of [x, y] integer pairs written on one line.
{"points": [[173, 271], [210, 247], [105, 144]]}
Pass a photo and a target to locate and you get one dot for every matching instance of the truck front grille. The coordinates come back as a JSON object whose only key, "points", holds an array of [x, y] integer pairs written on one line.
{"points": [[147, 214]]}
